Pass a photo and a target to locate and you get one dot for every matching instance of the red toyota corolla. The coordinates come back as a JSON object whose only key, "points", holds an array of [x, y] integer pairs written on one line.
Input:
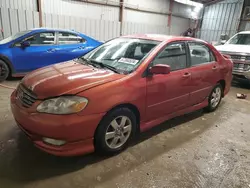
{"points": [[128, 84]]}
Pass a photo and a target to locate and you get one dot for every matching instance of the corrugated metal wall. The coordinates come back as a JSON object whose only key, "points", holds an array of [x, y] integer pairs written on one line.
{"points": [[134, 21], [221, 18], [13, 20], [81, 9], [179, 25], [98, 21], [19, 4], [135, 28], [100, 29]]}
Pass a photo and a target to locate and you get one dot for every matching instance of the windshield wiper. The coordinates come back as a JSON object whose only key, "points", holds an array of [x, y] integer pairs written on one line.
{"points": [[104, 65], [87, 61], [99, 64]]}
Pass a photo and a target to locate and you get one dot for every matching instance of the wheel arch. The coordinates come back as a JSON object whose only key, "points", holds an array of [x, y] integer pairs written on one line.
{"points": [[130, 106], [223, 84], [8, 62]]}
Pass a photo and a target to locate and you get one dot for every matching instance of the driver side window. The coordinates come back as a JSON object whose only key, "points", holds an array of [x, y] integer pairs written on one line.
{"points": [[173, 55], [46, 38]]}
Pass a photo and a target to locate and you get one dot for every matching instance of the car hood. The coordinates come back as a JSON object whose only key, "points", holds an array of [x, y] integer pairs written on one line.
{"points": [[232, 48], [66, 78]]}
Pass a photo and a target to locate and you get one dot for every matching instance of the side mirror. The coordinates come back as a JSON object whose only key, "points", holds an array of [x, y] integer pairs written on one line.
{"points": [[224, 37], [223, 42], [160, 69], [25, 44]]}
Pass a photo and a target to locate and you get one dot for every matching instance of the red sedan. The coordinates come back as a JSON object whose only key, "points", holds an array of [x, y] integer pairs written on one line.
{"points": [[128, 84]]}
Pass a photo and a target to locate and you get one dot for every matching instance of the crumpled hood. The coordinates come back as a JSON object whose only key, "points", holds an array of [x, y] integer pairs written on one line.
{"points": [[233, 48], [66, 78]]}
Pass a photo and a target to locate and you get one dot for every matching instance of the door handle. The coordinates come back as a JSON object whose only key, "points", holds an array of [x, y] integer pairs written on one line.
{"points": [[51, 50], [214, 67], [187, 74], [81, 47]]}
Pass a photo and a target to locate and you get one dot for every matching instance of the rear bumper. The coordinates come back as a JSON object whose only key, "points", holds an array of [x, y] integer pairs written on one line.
{"points": [[78, 131]]}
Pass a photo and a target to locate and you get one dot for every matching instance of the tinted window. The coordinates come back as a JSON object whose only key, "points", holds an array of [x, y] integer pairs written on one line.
{"points": [[46, 38], [69, 38], [173, 55], [200, 54]]}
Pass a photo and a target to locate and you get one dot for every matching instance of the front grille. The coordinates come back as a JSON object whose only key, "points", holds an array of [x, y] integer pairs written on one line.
{"points": [[237, 57], [25, 96], [241, 66], [241, 62]]}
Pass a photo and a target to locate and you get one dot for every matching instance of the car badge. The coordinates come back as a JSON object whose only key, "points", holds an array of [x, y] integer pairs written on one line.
{"points": [[20, 95]]}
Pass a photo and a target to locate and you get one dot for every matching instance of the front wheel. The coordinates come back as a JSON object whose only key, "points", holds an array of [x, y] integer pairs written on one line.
{"points": [[115, 131], [214, 98], [4, 71]]}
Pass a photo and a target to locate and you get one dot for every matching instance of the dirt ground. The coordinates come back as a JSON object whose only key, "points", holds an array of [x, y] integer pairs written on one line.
{"points": [[195, 150]]}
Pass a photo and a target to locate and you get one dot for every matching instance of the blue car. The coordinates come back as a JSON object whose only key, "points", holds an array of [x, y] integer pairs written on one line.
{"points": [[33, 49]]}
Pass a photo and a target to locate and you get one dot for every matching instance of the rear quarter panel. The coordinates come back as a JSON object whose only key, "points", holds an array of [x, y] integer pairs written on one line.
{"points": [[225, 68]]}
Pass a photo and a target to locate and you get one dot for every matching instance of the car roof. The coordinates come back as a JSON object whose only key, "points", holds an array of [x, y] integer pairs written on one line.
{"points": [[52, 29], [244, 32], [161, 38]]}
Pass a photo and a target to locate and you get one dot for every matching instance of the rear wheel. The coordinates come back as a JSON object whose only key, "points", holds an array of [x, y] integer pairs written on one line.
{"points": [[115, 131], [214, 98], [4, 71]]}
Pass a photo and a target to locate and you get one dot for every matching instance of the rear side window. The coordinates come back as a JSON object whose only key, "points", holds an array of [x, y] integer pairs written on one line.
{"points": [[46, 38], [69, 38], [200, 54], [173, 55]]}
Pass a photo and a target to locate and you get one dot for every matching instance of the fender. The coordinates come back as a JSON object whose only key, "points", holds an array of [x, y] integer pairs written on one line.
{"points": [[6, 60]]}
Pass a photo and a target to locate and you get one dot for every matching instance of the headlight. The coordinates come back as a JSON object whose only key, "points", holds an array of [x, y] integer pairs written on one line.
{"points": [[63, 105]]}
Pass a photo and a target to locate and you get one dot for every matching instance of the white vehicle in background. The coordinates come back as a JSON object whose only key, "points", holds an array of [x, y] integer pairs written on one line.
{"points": [[238, 48]]}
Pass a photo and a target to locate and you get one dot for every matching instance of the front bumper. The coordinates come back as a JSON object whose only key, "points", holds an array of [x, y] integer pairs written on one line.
{"points": [[246, 74], [78, 131]]}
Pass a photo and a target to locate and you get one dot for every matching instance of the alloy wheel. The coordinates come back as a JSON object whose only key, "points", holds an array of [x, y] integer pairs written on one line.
{"points": [[118, 132], [216, 97]]}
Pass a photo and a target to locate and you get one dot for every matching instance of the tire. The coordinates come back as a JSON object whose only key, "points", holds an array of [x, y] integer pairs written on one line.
{"points": [[214, 98], [4, 71], [111, 137]]}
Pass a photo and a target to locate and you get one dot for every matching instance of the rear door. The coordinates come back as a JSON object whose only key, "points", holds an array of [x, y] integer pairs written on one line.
{"points": [[39, 54], [70, 46], [204, 71], [168, 93]]}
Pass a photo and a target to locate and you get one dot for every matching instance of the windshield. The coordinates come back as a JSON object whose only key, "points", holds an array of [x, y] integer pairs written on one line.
{"points": [[13, 37], [122, 54], [242, 39]]}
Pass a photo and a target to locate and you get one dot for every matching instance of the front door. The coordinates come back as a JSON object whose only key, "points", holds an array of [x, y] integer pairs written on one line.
{"points": [[169, 93], [40, 53], [204, 72]]}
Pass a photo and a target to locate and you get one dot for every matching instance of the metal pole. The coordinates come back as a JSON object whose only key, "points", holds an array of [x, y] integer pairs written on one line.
{"points": [[39, 8], [171, 4], [121, 13]]}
